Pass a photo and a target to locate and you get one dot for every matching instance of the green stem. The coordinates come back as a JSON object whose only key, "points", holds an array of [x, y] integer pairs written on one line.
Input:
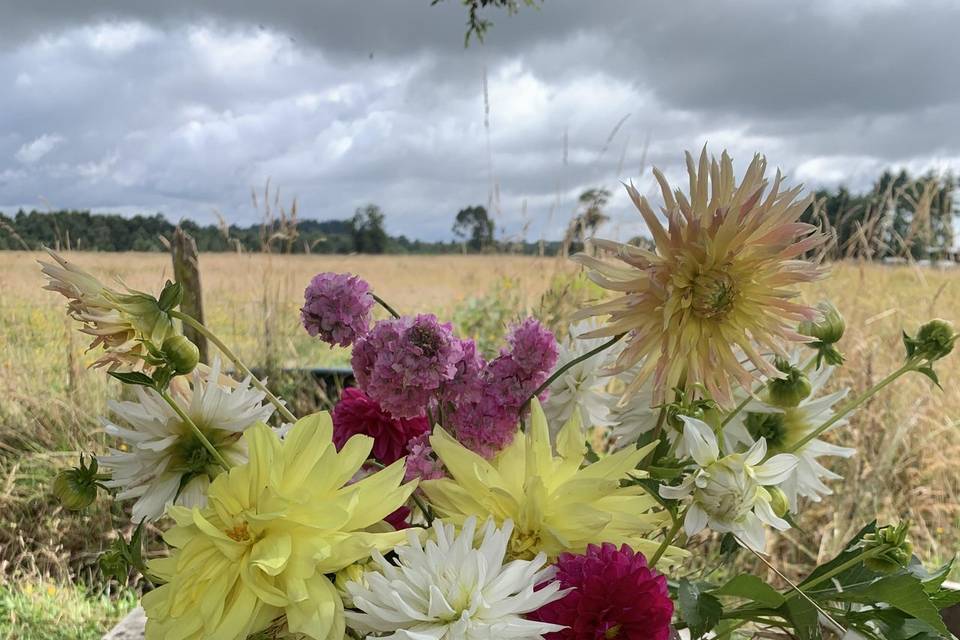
{"points": [[910, 365], [559, 372], [668, 539], [383, 304], [196, 324], [196, 430]]}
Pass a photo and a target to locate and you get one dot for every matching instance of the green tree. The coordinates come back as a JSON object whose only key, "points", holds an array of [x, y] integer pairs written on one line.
{"points": [[475, 224], [367, 230], [591, 215]]}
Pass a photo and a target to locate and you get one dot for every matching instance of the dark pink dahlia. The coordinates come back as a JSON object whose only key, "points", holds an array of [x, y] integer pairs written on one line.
{"points": [[615, 595], [358, 413]]}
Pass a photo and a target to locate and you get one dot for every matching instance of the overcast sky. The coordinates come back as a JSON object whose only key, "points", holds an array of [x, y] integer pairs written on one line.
{"points": [[182, 106]]}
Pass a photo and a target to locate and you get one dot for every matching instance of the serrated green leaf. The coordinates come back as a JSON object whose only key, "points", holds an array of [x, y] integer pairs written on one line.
{"points": [[701, 611], [752, 588], [133, 377], [902, 591], [931, 374]]}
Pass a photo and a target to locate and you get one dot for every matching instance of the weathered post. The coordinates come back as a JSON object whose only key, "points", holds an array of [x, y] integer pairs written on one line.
{"points": [[186, 270]]}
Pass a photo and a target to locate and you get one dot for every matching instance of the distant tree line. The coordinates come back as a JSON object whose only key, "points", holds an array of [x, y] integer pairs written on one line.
{"points": [[901, 216], [86, 231]]}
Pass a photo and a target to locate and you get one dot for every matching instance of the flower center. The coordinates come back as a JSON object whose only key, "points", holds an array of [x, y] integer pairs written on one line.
{"points": [[781, 430], [239, 533], [524, 544], [426, 339], [714, 293]]}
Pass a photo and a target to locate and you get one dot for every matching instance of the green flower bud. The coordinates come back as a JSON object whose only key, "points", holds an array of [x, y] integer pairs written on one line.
{"points": [[114, 564], [933, 341], [791, 390], [76, 488], [828, 329], [898, 554], [182, 354], [778, 501], [73, 491]]}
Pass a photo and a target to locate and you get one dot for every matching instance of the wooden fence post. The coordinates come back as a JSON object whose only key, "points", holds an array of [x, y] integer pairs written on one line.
{"points": [[186, 270]]}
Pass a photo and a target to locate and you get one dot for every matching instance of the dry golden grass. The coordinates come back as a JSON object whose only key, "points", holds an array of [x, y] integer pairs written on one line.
{"points": [[908, 439]]}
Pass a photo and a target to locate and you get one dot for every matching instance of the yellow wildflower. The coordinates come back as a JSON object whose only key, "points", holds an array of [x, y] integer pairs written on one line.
{"points": [[715, 294], [555, 505], [271, 529]]}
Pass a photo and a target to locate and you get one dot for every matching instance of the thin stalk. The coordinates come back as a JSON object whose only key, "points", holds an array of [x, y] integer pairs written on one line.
{"points": [[196, 430], [193, 322], [380, 301], [910, 365], [674, 530], [559, 372]]}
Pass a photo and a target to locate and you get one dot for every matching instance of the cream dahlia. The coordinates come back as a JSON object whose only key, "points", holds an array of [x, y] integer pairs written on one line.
{"points": [[703, 308]]}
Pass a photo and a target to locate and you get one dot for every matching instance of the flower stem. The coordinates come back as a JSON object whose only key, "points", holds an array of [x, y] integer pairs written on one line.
{"points": [[196, 430], [559, 372], [384, 304], [674, 530], [910, 365], [196, 324]]}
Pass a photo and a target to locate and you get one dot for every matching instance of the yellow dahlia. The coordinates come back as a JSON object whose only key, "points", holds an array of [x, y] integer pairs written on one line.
{"points": [[703, 309], [555, 503], [271, 530]]}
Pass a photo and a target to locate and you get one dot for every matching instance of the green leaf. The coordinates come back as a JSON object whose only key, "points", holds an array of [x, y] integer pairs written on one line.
{"points": [[803, 616], [903, 591], [849, 552], [945, 598], [171, 296], [930, 373], [753, 588], [133, 377], [701, 611]]}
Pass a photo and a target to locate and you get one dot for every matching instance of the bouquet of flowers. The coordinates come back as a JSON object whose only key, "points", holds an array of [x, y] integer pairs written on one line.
{"points": [[552, 492]]}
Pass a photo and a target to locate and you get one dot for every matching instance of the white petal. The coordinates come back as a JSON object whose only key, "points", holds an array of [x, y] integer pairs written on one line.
{"points": [[695, 521], [700, 441], [776, 469], [756, 453]]}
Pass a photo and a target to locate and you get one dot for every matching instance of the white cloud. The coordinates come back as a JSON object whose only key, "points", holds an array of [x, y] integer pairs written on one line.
{"points": [[31, 152]]}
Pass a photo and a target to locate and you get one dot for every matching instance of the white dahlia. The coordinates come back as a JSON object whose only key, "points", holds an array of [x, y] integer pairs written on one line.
{"points": [[783, 428], [728, 493], [582, 387], [451, 588], [163, 462]]}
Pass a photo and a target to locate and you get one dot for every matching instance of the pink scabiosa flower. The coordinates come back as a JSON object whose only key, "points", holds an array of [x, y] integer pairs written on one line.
{"points": [[614, 595], [421, 462], [403, 363], [336, 308], [701, 310], [485, 419], [358, 413]]}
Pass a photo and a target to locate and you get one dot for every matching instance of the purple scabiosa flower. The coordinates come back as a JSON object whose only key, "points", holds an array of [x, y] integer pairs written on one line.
{"points": [[336, 308], [403, 363], [485, 420], [614, 594], [421, 463]]}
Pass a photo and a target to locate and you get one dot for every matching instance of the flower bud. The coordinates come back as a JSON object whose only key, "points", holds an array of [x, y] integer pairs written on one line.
{"points": [[75, 489], [350, 573], [791, 390], [828, 329], [182, 354], [898, 554], [933, 341], [778, 501]]}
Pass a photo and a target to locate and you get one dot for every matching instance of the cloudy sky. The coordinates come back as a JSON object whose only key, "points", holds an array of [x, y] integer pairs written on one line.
{"points": [[182, 106]]}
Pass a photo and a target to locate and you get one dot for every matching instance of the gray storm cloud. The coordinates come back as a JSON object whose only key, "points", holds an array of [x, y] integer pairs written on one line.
{"points": [[182, 107]]}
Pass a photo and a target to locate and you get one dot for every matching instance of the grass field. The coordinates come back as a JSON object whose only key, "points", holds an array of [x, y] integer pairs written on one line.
{"points": [[908, 440]]}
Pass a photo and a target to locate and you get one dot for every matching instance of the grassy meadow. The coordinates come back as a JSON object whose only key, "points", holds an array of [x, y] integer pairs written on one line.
{"points": [[908, 439]]}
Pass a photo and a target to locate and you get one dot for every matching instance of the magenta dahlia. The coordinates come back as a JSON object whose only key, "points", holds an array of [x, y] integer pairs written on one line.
{"points": [[615, 595], [403, 363], [358, 413], [336, 308]]}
